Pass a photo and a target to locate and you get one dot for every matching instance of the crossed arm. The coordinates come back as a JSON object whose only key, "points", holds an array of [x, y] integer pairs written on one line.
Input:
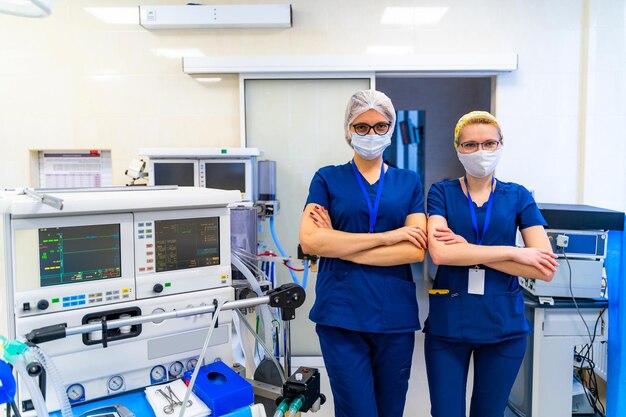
{"points": [[395, 247], [535, 261]]}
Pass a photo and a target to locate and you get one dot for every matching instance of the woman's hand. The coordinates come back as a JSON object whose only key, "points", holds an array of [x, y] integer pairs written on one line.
{"points": [[321, 218], [414, 234], [542, 259], [447, 236]]}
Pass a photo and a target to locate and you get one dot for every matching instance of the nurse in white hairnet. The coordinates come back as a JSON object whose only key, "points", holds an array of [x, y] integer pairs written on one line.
{"points": [[366, 221]]}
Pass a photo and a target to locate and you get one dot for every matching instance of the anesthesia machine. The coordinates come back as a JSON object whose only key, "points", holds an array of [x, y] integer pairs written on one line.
{"points": [[119, 288]]}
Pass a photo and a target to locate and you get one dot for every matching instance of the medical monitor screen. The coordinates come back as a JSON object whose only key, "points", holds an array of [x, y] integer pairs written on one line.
{"points": [[226, 176], [187, 243], [79, 254], [175, 173]]}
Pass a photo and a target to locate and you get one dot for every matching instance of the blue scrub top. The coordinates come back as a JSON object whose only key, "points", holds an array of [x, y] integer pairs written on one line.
{"points": [[376, 299], [498, 314]]}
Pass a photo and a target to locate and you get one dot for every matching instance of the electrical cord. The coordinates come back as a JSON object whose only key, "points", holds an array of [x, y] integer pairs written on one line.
{"points": [[595, 328], [597, 404], [569, 267], [11, 406], [592, 394]]}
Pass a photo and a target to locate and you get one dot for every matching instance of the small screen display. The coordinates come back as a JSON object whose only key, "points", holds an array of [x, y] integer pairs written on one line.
{"points": [[176, 173], [79, 253], [226, 176], [187, 243]]}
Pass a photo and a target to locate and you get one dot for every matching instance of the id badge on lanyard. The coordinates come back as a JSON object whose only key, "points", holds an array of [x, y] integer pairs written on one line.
{"points": [[476, 281], [373, 208], [476, 275]]}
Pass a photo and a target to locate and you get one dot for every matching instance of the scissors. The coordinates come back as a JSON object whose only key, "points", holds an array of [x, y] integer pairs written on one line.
{"points": [[172, 399]]}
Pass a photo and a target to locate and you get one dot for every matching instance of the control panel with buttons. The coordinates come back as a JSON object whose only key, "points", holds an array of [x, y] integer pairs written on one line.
{"points": [[73, 301], [144, 244]]}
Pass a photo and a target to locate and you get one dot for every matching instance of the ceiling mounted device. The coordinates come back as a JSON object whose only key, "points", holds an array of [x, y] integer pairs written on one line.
{"points": [[216, 16]]}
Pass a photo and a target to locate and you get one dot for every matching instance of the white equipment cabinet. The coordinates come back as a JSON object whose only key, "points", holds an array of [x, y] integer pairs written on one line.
{"points": [[116, 253]]}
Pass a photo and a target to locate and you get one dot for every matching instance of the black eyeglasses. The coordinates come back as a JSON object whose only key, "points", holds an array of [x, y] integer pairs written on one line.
{"points": [[471, 147], [363, 129]]}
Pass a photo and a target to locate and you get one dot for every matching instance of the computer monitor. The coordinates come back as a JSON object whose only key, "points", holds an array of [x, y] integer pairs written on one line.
{"points": [[229, 174], [64, 263], [186, 243], [76, 254], [182, 251], [181, 172]]}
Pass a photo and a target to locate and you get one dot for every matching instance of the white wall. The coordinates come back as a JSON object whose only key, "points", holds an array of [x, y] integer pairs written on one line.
{"points": [[605, 150], [73, 80]]}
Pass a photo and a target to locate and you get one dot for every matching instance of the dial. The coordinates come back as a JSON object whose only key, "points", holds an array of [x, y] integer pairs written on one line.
{"points": [[115, 383], [157, 373], [75, 392], [176, 369], [191, 364]]}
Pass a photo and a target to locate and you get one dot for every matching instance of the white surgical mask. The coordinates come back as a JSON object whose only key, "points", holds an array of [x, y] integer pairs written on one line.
{"points": [[480, 163], [370, 146]]}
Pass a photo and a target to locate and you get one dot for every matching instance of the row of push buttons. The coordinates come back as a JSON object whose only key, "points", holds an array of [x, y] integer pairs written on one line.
{"points": [[95, 298], [146, 232], [113, 295], [79, 300], [149, 260], [109, 296], [149, 257], [74, 300]]}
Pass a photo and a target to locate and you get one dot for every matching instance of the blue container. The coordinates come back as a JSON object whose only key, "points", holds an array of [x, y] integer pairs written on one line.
{"points": [[7, 383], [241, 412], [221, 388]]}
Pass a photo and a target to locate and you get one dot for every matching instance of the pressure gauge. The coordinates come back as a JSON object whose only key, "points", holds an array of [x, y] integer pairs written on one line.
{"points": [[157, 374], [115, 383], [176, 369], [191, 364], [75, 392]]}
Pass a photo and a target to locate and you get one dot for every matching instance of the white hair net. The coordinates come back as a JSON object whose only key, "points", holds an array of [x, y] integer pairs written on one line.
{"points": [[365, 100]]}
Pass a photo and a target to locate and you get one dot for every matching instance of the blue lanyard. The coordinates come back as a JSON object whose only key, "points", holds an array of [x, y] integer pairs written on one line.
{"points": [[479, 241], [372, 208]]}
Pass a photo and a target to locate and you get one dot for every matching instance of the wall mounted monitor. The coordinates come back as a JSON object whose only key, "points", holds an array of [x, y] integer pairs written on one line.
{"points": [[181, 172], [229, 174]]}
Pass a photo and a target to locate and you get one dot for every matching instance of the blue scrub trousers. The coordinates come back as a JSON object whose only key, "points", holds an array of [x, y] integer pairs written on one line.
{"points": [[369, 372], [495, 368]]}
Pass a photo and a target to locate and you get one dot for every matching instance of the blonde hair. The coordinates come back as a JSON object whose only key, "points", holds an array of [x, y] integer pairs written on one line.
{"points": [[473, 118]]}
